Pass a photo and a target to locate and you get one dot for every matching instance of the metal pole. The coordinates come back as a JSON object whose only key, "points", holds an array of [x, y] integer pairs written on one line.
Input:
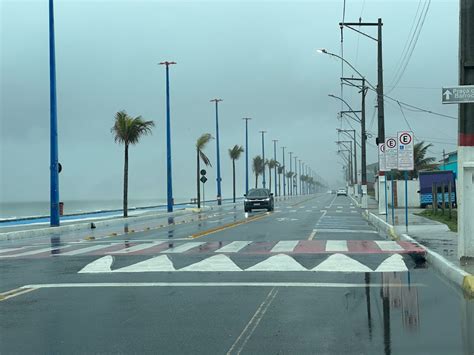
{"points": [[295, 179], [386, 201], [406, 200], [263, 157], [246, 153], [380, 103], [275, 158], [54, 168], [284, 172], [363, 148], [219, 179], [290, 183], [393, 200]]}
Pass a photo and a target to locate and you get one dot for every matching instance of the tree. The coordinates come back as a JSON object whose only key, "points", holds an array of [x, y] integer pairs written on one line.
{"points": [[272, 164], [280, 171], [257, 167], [128, 130], [200, 145], [234, 154], [421, 162], [289, 176]]}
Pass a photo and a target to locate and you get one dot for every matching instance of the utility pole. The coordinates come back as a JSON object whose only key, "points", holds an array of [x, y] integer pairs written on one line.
{"points": [[290, 183], [466, 135], [295, 179], [218, 156], [276, 166], [246, 153], [284, 172], [380, 95], [263, 157]]}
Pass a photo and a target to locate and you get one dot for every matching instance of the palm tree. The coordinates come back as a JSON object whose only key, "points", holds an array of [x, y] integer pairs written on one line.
{"points": [[272, 164], [200, 145], [234, 154], [257, 166], [128, 130], [280, 171], [303, 179], [289, 176], [421, 162]]}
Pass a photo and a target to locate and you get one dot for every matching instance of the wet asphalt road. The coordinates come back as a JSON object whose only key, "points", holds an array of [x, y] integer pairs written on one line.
{"points": [[141, 301]]}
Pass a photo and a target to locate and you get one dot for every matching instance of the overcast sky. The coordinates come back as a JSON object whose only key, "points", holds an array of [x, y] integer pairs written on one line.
{"points": [[260, 57]]}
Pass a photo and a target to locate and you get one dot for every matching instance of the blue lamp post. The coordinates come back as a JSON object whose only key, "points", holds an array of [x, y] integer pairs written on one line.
{"points": [[295, 179], [246, 153], [54, 166], [168, 139], [284, 171], [219, 179], [275, 158], [290, 182], [263, 156]]}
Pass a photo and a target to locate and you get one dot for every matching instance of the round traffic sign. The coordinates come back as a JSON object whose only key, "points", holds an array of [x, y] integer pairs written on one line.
{"points": [[382, 147], [203, 172], [405, 138], [391, 143]]}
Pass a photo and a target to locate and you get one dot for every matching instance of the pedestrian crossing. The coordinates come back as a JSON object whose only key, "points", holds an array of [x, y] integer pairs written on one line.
{"points": [[314, 246], [223, 263]]}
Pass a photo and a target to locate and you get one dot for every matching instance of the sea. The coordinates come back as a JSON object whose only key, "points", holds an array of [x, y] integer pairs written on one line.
{"points": [[14, 210]]}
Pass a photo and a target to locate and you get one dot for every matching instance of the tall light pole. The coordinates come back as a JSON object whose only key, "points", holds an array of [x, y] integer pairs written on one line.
{"points": [[353, 136], [275, 158], [295, 180], [301, 181], [219, 179], [284, 171], [247, 119], [169, 176], [54, 165], [290, 183], [263, 156]]}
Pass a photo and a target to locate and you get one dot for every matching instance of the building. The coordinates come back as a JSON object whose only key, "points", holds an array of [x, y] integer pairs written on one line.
{"points": [[450, 162]]}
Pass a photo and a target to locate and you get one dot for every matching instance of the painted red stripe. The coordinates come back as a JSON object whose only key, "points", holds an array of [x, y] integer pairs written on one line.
{"points": [[363, 246], [412, 248], [259, 248], [466, 139], [310, 247], [207, 248]]}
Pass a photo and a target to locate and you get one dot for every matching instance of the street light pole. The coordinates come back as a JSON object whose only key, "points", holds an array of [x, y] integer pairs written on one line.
{"points": [[170, 201], [295, 180], [54, 166], [284, 171], [275, 168], [290, 183], [246, 153], [219, 179], [263, 157]]}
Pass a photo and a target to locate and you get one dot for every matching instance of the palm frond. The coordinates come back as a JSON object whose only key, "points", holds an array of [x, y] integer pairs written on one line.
{"points": [[128, 130], [204, 158], [235, 152], [203, 140]]}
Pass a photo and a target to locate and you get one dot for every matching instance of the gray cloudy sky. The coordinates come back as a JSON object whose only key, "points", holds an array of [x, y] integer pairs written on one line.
{"points": [[260, 57]]}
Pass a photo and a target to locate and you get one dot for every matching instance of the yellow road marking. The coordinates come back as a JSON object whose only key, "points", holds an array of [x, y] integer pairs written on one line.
{"points": [[16, 292], [313, 233], [227, 226], [300, 202]]}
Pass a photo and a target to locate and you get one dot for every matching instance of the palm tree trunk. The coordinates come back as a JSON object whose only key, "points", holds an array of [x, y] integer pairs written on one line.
{"points": [[279, 184], [269, 179], [197, 181], [233, 177], [125, 183], [256, 180]]}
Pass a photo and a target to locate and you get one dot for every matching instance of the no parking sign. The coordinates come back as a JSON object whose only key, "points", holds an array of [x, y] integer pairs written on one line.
{"points": [[405, 150]]}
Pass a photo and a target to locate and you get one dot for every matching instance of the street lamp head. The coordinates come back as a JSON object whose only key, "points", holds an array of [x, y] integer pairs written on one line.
{"points": [[246, 118], [216, 100], [167, 63], [322, 50], [263, 132]]}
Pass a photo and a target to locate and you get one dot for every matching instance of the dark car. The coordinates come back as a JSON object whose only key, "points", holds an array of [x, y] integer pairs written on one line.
{"points": [[259, 199]]}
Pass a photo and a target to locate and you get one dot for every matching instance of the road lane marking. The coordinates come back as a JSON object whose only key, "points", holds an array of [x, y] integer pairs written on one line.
{"points": [[183, 247], [253, 322], [139, 247], [15, 292], [10, 250], [313, 233], [36, 251], [156, 264], [394, 263], [280, 262], [228, 226], [103, 264], [341, 263], [336, 245], [284, 246], [340, 230], [233, 247], [388, 245], [87, 249], [216, 263]]}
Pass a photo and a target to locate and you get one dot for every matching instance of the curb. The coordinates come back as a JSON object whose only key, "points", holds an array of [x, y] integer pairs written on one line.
{"points": [[453, 273]]}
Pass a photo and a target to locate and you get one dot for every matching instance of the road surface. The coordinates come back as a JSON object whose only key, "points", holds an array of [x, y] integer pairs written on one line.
{"points": [[312, 277]]}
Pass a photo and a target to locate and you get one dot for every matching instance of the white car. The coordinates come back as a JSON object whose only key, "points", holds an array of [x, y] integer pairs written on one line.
{"points": [[341, 192]]}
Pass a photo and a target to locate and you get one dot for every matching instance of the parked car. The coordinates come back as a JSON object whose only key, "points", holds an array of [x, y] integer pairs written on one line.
{"points": [[341, 192], [259, 199]]}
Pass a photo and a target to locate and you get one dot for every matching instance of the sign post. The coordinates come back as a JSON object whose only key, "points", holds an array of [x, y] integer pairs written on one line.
{"points": [[391, 163], [383, 179], [406, 148]]}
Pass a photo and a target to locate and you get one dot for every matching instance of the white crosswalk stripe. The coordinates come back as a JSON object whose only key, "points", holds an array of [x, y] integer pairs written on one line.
{"points": [[138, 247], [280, 262], [285, 246], [34, 252], [183, 247], [216, 263], [86, 250], [156, 264], [233, 247], [388, 245], [394, 263], [336, 245], [341, 263]]}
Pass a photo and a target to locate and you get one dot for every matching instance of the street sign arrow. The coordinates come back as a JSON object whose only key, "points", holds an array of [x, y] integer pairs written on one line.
{"points": [[447, 94], [457, 94]]}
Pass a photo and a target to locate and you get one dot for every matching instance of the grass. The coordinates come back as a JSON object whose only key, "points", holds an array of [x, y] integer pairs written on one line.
{"points": [[452, 222]]}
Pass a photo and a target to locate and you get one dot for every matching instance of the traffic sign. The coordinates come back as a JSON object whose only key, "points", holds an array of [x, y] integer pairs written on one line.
{"points": [[382, 166], [203, 179], [203, 172], [391, 153], [406, 149], [458, 94]]}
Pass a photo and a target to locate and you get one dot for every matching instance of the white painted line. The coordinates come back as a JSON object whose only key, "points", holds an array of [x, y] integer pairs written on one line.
{"points": [[313, 233], [284, 246], [394, 263], [86, 250], [220, 284], [233, 247], [216, 263], [36, 251], [341, 263], [137, 248], [336, 245], [292, 211], [339, 206], [16, 292], [388, 245], [10, 250], [280, 262], [183, 247], [156, 264], [103, 264], [308, 210], [353, 211]]}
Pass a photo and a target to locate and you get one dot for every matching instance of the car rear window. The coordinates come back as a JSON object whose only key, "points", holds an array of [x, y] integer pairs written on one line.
{"points": [[258, 193]]}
